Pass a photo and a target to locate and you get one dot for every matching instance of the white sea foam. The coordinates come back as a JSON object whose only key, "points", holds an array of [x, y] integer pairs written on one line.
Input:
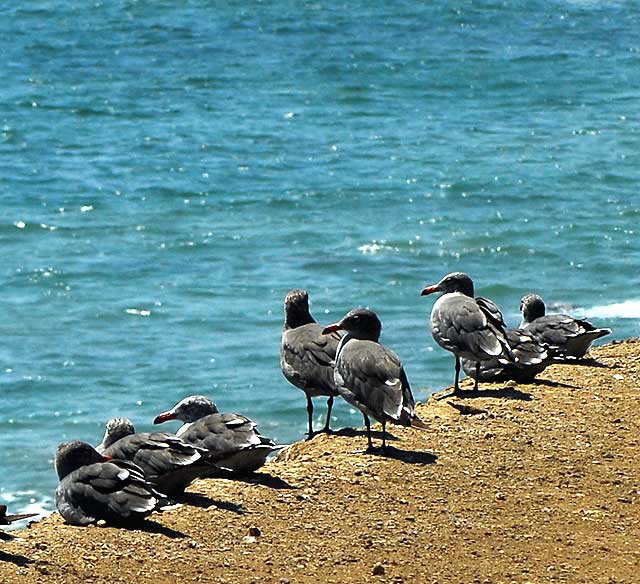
{"points": [[626, 309]]}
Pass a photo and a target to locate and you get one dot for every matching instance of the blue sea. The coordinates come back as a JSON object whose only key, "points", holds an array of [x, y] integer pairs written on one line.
{"points": [[169, 170]]}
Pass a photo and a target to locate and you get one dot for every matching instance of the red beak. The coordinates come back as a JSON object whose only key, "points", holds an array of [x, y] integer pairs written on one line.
{"points": [[429, 290], [106, 458], [163, 417], [332, 328]]}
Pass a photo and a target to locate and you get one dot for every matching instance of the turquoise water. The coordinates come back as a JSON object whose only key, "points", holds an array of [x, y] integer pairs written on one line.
{"points": [[169, 173]]}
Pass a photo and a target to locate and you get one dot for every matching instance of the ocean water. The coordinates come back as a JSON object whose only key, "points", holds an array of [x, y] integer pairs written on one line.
{"points": [[170, 170]]}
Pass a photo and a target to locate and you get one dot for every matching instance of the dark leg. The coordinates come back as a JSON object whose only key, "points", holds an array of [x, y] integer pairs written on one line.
{"points": [[310, 414], [368, 425], [326, 428], [384, 435], [475, 387], [456, 387]]}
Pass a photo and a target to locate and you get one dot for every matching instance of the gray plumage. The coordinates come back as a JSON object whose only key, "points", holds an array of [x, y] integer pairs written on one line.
{"points": [[169, 463], [471, 328], [567, 336], [370, 376], [306, 355], [530, 357], [92, 487], [231, 441]]}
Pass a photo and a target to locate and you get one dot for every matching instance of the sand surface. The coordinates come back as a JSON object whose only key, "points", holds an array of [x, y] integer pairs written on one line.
{"points": [[544, 486]]}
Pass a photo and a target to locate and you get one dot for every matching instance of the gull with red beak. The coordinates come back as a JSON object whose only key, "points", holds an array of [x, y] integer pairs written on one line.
{"points": [[231, 441], [370, 376], [93, 487], [471, 328]]}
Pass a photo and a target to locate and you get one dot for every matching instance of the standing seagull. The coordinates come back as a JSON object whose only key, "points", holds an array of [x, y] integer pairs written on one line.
{"points": [[567, 336], [169, 463], [232, 441], [471, 328], [530, 357], [306, 355], [371, 377], [94, 487]]}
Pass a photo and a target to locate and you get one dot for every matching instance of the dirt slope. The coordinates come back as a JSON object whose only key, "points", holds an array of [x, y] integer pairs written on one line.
{"points": [[543, 487]]}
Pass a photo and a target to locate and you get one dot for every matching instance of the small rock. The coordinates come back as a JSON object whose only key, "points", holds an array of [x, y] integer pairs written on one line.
{"points": [[249, 539], [500, 496], [255, 531], [284, 580], [378, 570], [101, 523]]}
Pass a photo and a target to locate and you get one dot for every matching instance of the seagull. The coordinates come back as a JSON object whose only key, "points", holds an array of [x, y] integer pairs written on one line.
{"points": [[94, 487], [370, 376], [530, 357], [8, 519], [232, 441], [471, 328], [567, 336], [306, 355], [169, 463]]}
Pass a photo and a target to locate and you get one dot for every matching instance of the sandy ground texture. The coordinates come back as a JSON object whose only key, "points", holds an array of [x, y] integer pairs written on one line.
{"points": [[541, 484]]}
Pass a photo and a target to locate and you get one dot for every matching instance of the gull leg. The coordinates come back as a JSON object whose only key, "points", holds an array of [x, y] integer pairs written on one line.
{"points": [[384, 435], [326, 428], [456, 387], [475, 387], [367, 423], [310, 415]]}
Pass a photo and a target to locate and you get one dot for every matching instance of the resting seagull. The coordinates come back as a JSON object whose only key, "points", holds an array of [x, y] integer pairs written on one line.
{"points": [[567, 336], [471, 328], [306, 355], [94, 487], [371, 377], [232, 441], [169, 463]]}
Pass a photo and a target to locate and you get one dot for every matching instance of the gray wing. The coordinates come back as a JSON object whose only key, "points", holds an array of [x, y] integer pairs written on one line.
{"points": [[156, 453], [115, 491], [460, 325], [230, 440], [528, 358], [565, 334], [307, 357], [371, 377]]}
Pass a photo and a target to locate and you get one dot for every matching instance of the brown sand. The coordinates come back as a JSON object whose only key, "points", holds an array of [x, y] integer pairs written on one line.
{"points": [[543, 487]]}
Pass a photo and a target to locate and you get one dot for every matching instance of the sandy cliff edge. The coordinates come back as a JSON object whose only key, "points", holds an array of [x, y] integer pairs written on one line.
{"points": [[544, 486]]}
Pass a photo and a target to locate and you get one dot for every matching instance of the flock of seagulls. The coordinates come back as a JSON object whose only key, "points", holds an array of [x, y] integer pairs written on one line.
{"points": [[346, 358], [131, 474]]}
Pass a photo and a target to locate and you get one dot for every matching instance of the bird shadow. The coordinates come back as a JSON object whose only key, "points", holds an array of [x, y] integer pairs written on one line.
{"points": [[503, 392], [353, 432], [550, 383], [150, 526], [265, 479], [16, 559], [408, 456], [204, 502], [583, 362]]}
